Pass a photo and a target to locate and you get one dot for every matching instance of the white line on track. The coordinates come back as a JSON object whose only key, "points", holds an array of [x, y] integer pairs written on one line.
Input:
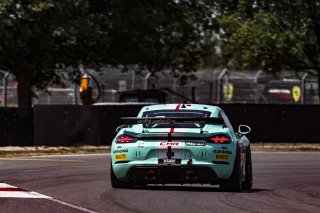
{"points": [[9, 191], [72, 206], [70, 155]]}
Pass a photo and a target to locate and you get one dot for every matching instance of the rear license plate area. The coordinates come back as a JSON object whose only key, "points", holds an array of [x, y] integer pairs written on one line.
{"points": [[169, 161]]}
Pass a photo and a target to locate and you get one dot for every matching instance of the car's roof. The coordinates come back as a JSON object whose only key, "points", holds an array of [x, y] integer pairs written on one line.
{"points": [[213, 109]]}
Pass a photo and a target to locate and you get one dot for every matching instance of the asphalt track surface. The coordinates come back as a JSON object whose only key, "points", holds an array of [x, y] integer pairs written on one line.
{"points": [[283, 182]]}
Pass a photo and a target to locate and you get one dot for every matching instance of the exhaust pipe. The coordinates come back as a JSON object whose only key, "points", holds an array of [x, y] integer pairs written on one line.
{"points": [[150, 175]]}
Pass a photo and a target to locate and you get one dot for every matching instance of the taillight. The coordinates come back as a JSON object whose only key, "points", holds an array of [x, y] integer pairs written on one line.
{"points": [[125, 139], [219, 139]]}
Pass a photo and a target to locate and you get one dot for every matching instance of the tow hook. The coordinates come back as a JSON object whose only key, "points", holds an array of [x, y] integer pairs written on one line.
{"points": [[189, 163]]}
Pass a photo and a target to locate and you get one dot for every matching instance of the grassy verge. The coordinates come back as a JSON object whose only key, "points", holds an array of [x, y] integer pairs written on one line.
{"points": [[14, 151], [285, 147]]}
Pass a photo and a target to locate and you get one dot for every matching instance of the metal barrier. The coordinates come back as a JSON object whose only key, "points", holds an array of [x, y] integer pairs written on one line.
{"points": [[210, 86]]}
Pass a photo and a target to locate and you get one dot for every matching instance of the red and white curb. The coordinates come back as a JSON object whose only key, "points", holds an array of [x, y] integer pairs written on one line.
{"points": [[8, 191]]}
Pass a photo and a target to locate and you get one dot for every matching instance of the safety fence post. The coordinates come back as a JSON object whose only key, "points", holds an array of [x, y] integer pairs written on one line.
{"points": [[5, 89], [303, 87], [222, 74]]}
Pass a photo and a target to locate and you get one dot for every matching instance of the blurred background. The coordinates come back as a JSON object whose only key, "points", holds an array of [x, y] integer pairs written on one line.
{"points": [[70, 69], [208, 51], [214, 86]]}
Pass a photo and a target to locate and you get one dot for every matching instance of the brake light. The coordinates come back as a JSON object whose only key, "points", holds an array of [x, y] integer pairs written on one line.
{"points": [[125, 139], [220, 139]]}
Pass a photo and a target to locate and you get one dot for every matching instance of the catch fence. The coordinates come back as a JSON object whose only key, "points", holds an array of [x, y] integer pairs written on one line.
{"points": [[219, 86]]}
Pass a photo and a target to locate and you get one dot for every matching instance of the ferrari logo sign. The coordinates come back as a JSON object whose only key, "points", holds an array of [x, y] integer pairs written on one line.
{"points": [[296, 93]]}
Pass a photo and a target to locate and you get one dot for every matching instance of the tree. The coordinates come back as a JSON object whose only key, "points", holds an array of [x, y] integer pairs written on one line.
{"points": [[158, 35], [271, 35], [38, 39], [33, 38]]}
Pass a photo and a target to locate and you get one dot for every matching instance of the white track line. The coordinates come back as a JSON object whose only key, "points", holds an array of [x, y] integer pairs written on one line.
{"points": [[72, 206], [9, 191], [70, 155]]}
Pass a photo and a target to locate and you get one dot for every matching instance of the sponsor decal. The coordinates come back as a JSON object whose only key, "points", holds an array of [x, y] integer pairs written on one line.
{"points": [[222, 157], [140, 145], [160, 121], [195, 143], [169, 161], [167, 121], [121, 156], [222, 152], [279, 91], [120, 150], [163, 144]]}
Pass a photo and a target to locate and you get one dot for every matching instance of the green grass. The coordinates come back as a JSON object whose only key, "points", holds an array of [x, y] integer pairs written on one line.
{"points": [[31, 151], [285, 147], [42, 150]]}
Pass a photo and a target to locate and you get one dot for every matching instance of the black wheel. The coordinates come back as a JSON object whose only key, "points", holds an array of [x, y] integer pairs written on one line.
{"points": [[115, 183], [247, 184], [234, 182]]}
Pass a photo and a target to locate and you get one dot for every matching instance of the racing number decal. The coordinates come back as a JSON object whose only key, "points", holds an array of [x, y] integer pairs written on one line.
{"points": [[296, 93]]}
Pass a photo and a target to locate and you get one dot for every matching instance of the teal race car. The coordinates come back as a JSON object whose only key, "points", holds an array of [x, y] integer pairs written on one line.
{"points": [[181, 144]]}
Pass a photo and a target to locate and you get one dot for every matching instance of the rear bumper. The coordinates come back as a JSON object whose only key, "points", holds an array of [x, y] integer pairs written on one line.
{"points": [[171, 174]]}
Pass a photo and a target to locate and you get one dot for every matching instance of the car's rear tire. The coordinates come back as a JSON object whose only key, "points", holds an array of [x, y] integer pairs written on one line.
{"points": [[234, 182], [247, 184], [115, 183]]}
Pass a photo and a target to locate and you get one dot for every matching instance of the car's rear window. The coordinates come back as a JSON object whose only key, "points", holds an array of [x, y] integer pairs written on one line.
{"points": [[176, 113]]}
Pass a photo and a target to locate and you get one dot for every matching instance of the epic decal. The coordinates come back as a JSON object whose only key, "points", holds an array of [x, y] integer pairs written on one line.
{"points": [[164, 144], [120, 150], [121, 156], [195, 143]]}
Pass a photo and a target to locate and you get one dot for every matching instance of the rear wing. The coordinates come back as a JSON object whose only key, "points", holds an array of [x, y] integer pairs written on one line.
{"points": [[170, 120]]}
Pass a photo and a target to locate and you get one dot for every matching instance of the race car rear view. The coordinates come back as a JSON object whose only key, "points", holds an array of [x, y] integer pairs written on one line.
{"points": [[181, 143]]}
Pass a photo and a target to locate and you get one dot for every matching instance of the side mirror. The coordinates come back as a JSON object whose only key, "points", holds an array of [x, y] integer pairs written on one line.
{"points": [[244, 129]]}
